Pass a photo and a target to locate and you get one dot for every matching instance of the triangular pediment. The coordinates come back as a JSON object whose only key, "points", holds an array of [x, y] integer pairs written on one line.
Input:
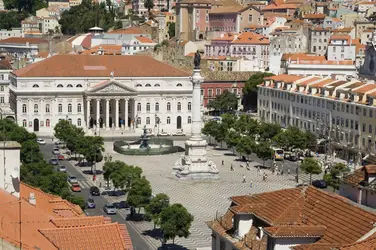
{"points": [[112, 86]]}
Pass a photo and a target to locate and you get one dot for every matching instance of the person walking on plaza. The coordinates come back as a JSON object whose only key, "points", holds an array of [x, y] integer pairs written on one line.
{"points": [[232, 168], [288, 171], [223, 163], [251, 184], [243, 178]]}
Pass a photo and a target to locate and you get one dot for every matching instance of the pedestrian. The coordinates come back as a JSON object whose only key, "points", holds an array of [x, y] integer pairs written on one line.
{"points": [[232, 168], [52, 138], [250, 185], [243, 178], [223, 163], [288, 171]]}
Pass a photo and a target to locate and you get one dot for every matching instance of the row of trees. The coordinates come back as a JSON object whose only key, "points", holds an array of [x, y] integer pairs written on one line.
{"points": [[173, 220]]}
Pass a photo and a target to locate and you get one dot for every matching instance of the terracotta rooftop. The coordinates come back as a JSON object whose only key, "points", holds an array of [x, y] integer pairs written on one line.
{"points": [[306, 210], [225, 37], [130, 30], [341, 38], [308, 81], [322, 83], [301, 56], [107, 49], [314, 16], [365, 88], [100, 66], [367, 244], [349, 29], [284, 78], [5, 64], [226, 9], [251, 38], [144, 39], [280, 7], [23, 40]]}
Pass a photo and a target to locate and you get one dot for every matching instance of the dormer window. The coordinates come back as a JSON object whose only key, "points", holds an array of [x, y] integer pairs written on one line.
{"points": [[157, 85], [147, 85], [78, 86], [179, 85], [35, 86], [138, 85], [69, 86], [60, 85]]}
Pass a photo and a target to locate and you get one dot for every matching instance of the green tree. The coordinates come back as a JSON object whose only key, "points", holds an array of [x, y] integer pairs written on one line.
{"points": [[226, 102], [246, 145], [11, 19], [250, 89], [232, 139], [140, 193], [120, 173], [311, 166], [171, 29], [175, 222], [267, 131], [156, 206], [149, 5], [23, 5], [264, 151], [215, 130], [93, 149], [333, 177], [30, 152]]}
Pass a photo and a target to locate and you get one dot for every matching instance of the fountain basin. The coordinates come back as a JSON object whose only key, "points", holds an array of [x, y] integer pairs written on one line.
{"points": [[157, 146]]}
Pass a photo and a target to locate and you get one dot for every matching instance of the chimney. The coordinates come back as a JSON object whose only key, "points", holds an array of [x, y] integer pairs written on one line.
{"points": [[32, 199]]}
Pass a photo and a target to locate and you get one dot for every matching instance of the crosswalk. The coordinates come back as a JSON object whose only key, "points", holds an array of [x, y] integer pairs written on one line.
{"points": [[85, 184]]}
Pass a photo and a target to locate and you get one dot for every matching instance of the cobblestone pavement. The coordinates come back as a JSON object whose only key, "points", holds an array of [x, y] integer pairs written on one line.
{"points": [[203, 199]]}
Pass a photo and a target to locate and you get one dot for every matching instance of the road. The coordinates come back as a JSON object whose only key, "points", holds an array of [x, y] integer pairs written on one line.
{"points": [[139, 242]]}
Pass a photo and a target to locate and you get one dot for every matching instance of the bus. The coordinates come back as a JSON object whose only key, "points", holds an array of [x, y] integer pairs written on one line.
{"points": [[278, 154]]}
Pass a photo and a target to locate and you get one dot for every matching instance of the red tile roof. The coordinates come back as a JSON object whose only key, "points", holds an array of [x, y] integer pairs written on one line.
{"points": [[284, 78], [144, 39], [314, 16], [251, 38], [295, 231], [131, 30], [23, 40], [100, 66]]}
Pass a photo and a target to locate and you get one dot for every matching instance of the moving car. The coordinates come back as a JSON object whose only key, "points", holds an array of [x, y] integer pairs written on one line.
{"points": [[72, 179], [76, 187], [61, 157], [319, 184], [90, 203], [41, 141], [62, 169], [109, 209], [164, 134], [121, 205], [54, 161], [56, 151], [95, 191], [179, 133]]}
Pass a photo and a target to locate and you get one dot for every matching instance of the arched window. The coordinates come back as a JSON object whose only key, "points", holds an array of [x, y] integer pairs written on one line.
{"points": [[157, 107], [157, 85], [24, 109], [36, 108], [138, 85], [179, 106], [147, 120], [60, 85], [189, 106], [78, 86], [168, 120], [69, 86], [139, 121], [69, 108], [79, 122], [148, 107], [147, 85], [60, 108], [168, 106], [35, 86], [70, 121], [79, 108], [179, 85], [139, 107], [48, 123], [48, 108], [189, 120], [24, 123]]}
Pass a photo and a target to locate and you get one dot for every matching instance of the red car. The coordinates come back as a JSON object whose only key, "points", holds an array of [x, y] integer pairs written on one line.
{"points": [[61, 157], [76, 187]]}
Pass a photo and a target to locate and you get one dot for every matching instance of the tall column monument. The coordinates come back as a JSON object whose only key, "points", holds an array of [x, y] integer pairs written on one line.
{"points": [[194, 165]]}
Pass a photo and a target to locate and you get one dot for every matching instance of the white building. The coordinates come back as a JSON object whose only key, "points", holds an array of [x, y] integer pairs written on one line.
{"points": [[14, 32], [109, 91], [21, 46], [5, 70], [341, 48], [137, 44], [10, 154]]}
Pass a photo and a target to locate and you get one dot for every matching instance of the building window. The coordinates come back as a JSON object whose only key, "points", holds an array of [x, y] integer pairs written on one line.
{"points": [[48, 123], [70, 121], [157, 85], [210, 92], [60, 85], [2, 100], [250, 18], [157, 107], [147, 120], [218, 91], [370, 129], [139, 121], [168, 120], [79, 108], [35, 108], [148, 107], [364, 127], [60, 108], [189, 106], [79, 122], [48, 108], [35, 86], [370, 113], [168, 106], [189, 120], [69, 108], [2, 88], [179, 85], [138, 107], [69, 86], [78, 86], [24, 123], [179, 106], [24, 109], [147, 85]]}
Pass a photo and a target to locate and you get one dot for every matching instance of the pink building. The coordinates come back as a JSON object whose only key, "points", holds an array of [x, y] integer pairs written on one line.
{"points": [[249, 45]]}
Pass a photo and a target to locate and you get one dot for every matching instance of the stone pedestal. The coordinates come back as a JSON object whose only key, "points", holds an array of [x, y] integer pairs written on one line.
{"points": [[194, 165]]}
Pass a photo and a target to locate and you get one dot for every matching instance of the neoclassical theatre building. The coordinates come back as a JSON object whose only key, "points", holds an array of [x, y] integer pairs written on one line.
{"points": [[101, 93]]}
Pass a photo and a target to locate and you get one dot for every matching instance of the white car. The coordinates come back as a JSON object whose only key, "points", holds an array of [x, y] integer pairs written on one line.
{"points": [[179, 133], [109, 209], [164, 134], [72, 179], [41, 141]]}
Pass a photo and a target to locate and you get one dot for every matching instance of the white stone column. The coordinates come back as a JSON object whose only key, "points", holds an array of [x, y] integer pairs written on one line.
{"points": [[88, 113], [98, 113], [126, 113], [134, 112], [107, 113], [116, 114], [197, 79]]}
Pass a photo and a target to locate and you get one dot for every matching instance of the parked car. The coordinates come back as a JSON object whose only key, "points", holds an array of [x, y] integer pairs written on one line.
{"points": [[95, 191], [72, 179], [76, 187], [61, 157], [121, 205], [54, 161], [90, 203], [56, 151], [302, 184], [109, 209], [164, 134], [62, 169], [41, 141], [179, 133], [320, 184]]}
